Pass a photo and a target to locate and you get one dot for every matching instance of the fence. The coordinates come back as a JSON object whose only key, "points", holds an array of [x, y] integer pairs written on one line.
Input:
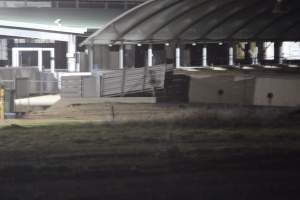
{"points": [[24, 87], [116, 82]]}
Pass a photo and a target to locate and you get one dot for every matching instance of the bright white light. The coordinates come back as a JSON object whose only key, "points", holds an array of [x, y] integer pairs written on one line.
{"points": [[139, 44], [247, 68], [218, 68], [271, 67], [110, 45], [220, 43], [167, 44], [194, 43]]}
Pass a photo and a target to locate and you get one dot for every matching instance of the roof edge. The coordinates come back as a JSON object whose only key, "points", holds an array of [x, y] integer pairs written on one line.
{"points": [[63, 29], [87, 41]]}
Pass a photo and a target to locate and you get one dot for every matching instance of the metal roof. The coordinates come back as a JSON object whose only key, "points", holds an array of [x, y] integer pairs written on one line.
{"points": [[204, 20], [72, 20]]}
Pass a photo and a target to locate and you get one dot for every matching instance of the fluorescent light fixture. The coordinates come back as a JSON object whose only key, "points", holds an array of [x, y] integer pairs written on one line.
{"points": [[218, 68], [167, 44], [194, 43], [271, 67], [247, 68], [139, 44], [220, 43]]}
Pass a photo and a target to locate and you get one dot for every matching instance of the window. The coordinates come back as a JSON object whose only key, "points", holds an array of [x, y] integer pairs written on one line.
{"points": [[28, 58], [291, 50]]}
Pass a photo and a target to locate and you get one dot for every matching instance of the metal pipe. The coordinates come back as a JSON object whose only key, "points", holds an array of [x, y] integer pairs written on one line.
{"points": [[121, 56], [204, 56], [178, 61], [150, 55], [231, 57]]}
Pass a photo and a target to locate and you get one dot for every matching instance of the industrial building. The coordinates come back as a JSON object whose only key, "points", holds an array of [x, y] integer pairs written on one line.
{"points": [[90, 38], [45, 34], [210, 34], [203, 33]]}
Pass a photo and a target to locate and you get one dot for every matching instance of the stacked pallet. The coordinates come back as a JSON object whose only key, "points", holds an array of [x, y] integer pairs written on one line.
{"points": [[117, 82], [128, 81], [71, 86]]}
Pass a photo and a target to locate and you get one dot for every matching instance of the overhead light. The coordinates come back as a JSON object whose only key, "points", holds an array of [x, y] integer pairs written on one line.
{"points": [[167, 44], [110, 45], [139, 44], [220, 43], [194, 43]]}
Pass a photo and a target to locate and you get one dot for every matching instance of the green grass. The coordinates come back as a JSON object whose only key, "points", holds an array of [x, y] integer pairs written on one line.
{"points": [[130, 156], [121, 145]]}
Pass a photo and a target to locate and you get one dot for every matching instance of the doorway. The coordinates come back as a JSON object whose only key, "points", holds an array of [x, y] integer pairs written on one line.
{"points": [[43, 58]]}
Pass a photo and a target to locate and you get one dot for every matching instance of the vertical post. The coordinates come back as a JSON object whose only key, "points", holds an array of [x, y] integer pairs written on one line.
{"points": [[40, 60], [91, 57], [231, 56], [71, 53], [15, 57], [150, 55], [264, 51], [77, 59], [279, 52], [121, 56], [123, 83], [2, 104], [262, 48], [204, 56], [52, 61], [178, 61]]}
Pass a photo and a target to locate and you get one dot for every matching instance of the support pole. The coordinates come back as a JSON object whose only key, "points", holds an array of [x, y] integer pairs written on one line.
{"points": [[91, 57], [231, 57], [52, 61], [279, 52], [150, 55], [178, 61], [204, 56], [71, 53], [2, 111], [121, 56]]}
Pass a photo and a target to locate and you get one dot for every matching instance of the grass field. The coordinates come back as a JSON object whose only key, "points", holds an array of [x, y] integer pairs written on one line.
{"points": [[188, 158]]}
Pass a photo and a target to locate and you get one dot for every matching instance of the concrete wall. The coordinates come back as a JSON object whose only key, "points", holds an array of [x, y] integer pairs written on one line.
{"points": [[245, 90], [285, 91], [106, 57], [221, 89]]}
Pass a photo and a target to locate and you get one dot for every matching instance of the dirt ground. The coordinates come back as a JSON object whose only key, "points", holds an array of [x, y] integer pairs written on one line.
{"points": [[190, 156]]}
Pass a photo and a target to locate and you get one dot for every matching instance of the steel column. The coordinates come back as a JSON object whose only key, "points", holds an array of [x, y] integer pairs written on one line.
{"points": [[150, 55], [121, 56], [178, 54], [231, 56], [91, 57], [204, 56]]}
